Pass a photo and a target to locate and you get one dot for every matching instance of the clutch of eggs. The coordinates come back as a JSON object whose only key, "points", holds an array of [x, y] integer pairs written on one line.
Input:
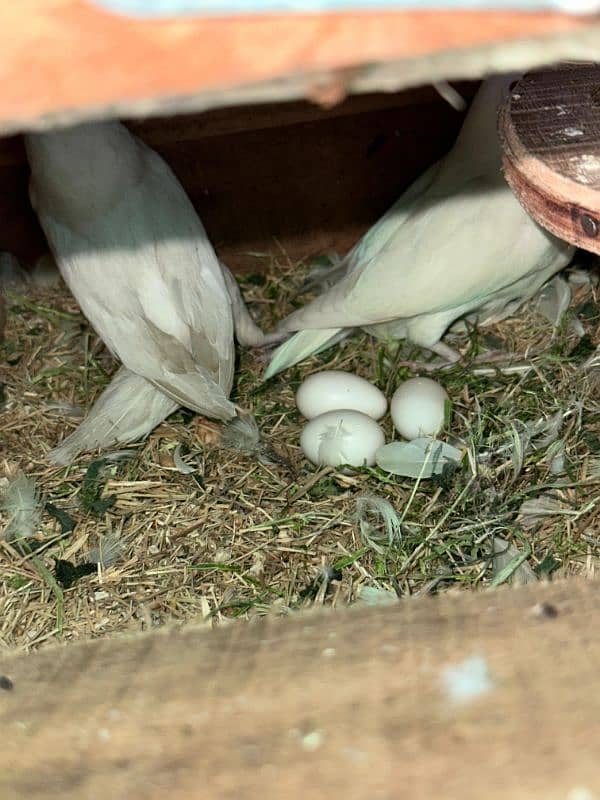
{"points": [[343, 409]]}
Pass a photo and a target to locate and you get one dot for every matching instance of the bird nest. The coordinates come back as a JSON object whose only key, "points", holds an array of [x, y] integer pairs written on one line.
{"points": [[188, 529]]}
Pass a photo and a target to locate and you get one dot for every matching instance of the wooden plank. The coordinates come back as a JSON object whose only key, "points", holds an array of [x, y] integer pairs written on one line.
{"points": [[165, 131], [353, 703], [68, 55]]}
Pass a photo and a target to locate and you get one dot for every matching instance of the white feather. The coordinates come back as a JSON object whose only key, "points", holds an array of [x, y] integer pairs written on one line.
{"points": [[420, 458], [371, 507], [554, 300], [21, 502]]}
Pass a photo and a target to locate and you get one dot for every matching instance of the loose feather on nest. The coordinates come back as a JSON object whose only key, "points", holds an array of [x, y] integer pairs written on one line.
{"points": [[22, 504], [127, 410]]}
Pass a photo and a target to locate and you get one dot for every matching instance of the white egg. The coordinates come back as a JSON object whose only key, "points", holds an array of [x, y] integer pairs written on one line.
{"points": [[418, 408], [342, 437], [333, 389]]}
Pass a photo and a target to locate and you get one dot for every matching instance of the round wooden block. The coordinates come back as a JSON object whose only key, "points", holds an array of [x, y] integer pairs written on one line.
{"points": [[550, 132]]}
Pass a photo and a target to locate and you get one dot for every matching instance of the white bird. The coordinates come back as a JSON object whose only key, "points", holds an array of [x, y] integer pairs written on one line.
{"points": [[134, 253], [456, 244]]}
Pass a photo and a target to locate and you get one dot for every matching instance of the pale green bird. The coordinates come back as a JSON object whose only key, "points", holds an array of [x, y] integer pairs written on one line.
{"points": [[456, 244], [132, 249]]}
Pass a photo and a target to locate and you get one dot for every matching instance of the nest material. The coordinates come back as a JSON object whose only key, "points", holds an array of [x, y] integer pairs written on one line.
{"points": [[239, 536]]}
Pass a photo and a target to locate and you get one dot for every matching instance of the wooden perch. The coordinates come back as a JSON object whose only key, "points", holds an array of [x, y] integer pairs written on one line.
{"points": [[358, 703], [550, 131]]}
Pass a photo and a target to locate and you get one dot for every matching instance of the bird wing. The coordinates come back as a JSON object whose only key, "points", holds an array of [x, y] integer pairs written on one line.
{"points": [[448, 250], [147, 278]]}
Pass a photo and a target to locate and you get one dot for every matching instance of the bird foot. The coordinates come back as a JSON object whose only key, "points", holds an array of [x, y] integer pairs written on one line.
{"points": [[263, 351], [445, 351], [490, 357]]}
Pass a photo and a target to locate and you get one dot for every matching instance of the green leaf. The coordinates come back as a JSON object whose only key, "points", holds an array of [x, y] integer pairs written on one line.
{"points": [[326, 487], [346, 561], [17, 582], [447, 412], [547, 566]]}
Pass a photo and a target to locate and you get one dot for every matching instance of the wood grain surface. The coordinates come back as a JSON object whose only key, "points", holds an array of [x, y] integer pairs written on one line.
{"points": [[348, 703], [550, 127], [68, 55]]}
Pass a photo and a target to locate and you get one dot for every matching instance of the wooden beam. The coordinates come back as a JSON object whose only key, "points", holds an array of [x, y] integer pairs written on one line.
{"points": [[465, 696], [62, 57]]}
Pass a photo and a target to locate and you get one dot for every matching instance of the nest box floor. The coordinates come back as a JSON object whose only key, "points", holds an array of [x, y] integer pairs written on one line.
{"points": [[238, 538]]}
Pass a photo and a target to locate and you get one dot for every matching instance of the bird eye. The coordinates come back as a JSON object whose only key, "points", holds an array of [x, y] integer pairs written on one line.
{"points": [[589, 225]]}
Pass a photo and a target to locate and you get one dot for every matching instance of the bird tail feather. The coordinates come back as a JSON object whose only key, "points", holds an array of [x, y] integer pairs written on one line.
{"points": [[128, 409], [301, 345], [198, 393]]}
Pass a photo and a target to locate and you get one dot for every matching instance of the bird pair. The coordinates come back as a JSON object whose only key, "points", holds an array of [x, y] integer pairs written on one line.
{"points": [[134, 253]]}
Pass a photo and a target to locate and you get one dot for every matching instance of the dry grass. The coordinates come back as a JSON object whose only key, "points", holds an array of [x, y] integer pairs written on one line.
{"points": [[240, 538]]}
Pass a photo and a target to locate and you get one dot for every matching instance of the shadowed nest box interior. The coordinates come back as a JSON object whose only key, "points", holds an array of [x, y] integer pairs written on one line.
{"points": [[291, 179]]}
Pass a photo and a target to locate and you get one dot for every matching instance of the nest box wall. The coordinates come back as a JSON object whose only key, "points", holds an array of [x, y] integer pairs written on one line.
{"points": [[288, 178]]}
